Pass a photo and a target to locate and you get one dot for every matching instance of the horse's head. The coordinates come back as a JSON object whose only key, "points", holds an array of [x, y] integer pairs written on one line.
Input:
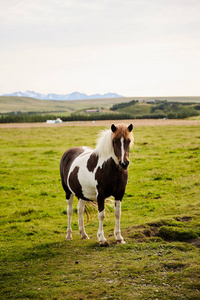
{"points": [[122, 138]]}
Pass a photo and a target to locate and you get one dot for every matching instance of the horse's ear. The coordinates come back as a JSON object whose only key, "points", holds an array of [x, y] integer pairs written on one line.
{"points": [[113, 128], [130, 127]]}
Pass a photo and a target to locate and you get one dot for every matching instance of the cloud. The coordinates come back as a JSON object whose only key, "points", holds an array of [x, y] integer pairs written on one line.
{"points": [[107, 22]]}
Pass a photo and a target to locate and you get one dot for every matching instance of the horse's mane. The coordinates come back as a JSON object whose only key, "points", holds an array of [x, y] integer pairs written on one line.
{"points": [[104, 147]]}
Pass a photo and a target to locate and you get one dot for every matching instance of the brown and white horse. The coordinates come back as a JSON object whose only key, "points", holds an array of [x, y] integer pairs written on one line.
{"points": [[95, 174]]}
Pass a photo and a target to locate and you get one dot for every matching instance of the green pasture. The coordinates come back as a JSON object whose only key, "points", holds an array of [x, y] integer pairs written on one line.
{"points": [[160, 219]]}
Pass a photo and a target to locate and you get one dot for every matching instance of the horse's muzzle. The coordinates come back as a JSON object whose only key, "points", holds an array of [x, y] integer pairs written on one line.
{"points": [[124, 165]]}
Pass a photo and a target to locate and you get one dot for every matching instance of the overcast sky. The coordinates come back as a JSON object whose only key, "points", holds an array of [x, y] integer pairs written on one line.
{"points": [[130, 47]]}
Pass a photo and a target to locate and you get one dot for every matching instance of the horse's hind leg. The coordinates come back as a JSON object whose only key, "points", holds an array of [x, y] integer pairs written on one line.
{"points": [[81, 208], [69, 214]]}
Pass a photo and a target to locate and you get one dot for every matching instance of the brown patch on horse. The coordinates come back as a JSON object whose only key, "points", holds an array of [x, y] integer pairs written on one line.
{"points": [[117, 148], [75, 184], [92, 162], [65, 164], [111, 180], [127, 145]]}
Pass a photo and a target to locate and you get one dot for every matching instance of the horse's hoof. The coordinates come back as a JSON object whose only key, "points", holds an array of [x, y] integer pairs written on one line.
{"points": [[68, 238], [104, 244], [120, 242], [85, 237]]}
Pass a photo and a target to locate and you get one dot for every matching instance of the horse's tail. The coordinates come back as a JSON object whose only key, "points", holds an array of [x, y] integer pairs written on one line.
{"points": [[92, 206]]}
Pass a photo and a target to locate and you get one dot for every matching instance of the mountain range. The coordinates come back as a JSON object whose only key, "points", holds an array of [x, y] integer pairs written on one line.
{"points": [[52, 96]]}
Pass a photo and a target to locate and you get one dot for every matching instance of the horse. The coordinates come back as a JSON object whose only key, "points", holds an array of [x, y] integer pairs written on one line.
{"points": [[96, 174]]}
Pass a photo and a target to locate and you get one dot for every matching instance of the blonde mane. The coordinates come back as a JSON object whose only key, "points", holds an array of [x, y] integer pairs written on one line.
{"points": [[104, 147]]}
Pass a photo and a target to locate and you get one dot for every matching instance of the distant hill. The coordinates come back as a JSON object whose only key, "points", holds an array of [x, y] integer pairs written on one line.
{"points": [[52, 96], [26, 104]]}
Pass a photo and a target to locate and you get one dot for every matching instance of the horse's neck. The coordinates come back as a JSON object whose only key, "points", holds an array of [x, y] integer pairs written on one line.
{"points": [[104, 154]]}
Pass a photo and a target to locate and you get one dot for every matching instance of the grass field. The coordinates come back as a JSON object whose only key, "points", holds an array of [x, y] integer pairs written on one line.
{"points": [[160, 219]]}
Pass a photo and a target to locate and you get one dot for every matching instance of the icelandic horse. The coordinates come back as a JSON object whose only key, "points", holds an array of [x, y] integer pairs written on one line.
{"points": [[95, 174]]}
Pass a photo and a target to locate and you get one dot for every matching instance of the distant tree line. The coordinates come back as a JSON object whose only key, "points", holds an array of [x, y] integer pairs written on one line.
{"points": [[30, 118], [123, 104]]}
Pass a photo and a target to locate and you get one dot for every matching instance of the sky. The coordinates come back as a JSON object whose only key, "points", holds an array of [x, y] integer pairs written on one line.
{"points": [[129, 47]]}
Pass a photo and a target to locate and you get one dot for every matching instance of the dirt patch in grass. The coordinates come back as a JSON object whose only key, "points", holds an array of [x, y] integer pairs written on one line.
{"points": [[183, 219], [167, 230], [196, 243]]}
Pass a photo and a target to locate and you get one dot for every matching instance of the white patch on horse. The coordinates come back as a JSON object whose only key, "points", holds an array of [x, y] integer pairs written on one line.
{"points": [[87, 182], [122, 149], [85, 178], [80, 161]]}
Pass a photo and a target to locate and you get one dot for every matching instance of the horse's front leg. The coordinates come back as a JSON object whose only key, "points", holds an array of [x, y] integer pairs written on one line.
{"points": [[81, 208], [101, 216], [117, 232]]}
